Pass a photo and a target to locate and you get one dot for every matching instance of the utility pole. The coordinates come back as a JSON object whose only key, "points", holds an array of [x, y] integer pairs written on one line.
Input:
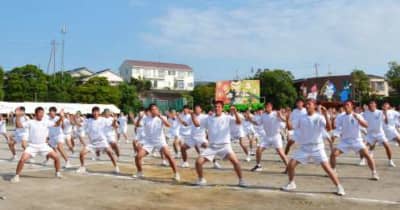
{"points": [[63, 33]]}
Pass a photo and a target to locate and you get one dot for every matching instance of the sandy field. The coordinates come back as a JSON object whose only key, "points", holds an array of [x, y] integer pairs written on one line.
{"points": [[101, 189]]}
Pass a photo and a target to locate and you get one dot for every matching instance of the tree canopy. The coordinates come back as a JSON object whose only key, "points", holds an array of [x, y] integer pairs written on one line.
{"points": [[393, 75]]}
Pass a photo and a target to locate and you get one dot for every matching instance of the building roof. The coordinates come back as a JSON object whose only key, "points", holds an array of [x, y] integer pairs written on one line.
{"points": [[335, 77], [116, 77], [79, 69], [137, 63]]}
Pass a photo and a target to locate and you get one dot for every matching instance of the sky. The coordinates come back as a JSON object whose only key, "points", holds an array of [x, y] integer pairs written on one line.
{"points": [[219, 39]]}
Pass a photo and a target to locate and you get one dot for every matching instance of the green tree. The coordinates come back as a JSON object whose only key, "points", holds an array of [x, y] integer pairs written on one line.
{"points": [[129, 98], [97, 90], [203, 95], [141, 84], [277, 86], [60, 87], [393, 75], [26, 83], [361, 84], [1, 83]]}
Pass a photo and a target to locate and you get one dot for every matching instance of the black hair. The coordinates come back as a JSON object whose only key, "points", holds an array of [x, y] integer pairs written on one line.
{"points": [[38, 109], [186, 107], [95, 109], [53, 109], [152, 105], [22, 108], [218, 102]]}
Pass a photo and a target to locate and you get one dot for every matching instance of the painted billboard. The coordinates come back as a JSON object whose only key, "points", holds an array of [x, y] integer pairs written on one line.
{"points": [[238, 92]]}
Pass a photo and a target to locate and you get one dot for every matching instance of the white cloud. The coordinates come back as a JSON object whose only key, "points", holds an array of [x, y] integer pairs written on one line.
{"points": [[343, 33]]}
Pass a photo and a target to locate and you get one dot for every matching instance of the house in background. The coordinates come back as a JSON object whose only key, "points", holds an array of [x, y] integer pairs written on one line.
{"points": [[163, 76], [83, 74]]}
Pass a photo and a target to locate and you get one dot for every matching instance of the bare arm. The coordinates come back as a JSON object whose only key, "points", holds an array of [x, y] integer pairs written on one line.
{"points": [[181, 121], [195, 121], [164, 121], [362, 122]]}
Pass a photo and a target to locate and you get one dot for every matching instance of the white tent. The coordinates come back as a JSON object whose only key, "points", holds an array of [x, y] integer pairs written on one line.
{"points": [[7, 107]]}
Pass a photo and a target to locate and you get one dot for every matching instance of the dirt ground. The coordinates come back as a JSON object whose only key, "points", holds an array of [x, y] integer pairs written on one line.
{"points": [[101, 189]]}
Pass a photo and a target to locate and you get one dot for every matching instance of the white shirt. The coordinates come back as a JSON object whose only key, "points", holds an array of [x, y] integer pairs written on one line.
{"points": [[38, 130], [199, 133], [271, 124], [237, 128], [375, 121], [55, 131], [123, 121], [259, 128], [153, 130], [350, 128], [3, 125], [96, 129], [393, 118], [185, 130], [296, 115], [21, 131], [175, 125], [109, 129], [309, 129], [219, 128], [67, 126]]}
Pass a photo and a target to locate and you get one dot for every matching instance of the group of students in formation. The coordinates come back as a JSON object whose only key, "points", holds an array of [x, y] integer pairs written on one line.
{"points": [[309, 125]]}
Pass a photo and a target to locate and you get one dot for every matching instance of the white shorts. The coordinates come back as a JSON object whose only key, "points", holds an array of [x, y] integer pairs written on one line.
{"points": [[311, 154], [391, 133], [192, 142], [19, 138], [326, 135], [185, 138], [238, 134], [98, 145], [291, 135], [221, 150], [53, 141], [373, 138], [41, 149], [111, 139], [149, 147], [271, 142], [123, 130], [79, 134], [67, 136], [348, 145]]}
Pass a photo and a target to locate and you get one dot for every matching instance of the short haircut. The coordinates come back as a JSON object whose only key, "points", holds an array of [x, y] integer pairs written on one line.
{"points": [[53, 109], [95, 109], [372, 101], [218, 102], [152, 105], [22, 108], [312, 101], [39, 109], [197, 105], [186, 107], [350, 101], [299, 100]]}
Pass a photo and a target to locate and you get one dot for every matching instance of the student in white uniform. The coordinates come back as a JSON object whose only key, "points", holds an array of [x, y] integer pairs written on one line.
{"points": [[391, 121], [308, 135], [111, 126], [350, 125], [154, 139], [38, 129], [79, 128], [219, 130], [56, 136], [123, 127], [67, 131], [185, 131], [3, 132], [271, 122], [249, 131], [174, 132], [375, 133], [21, 134], [197, 134], [238, 134], [139, 130], [294, 117], [96, 127]]}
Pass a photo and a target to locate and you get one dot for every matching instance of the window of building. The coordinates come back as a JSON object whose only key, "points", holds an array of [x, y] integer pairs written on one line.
{"points": [[171, 73], [179, 84], [161, 73]]}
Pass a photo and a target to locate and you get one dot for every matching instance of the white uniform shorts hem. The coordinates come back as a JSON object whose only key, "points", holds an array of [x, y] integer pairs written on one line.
{"points": [[195, 142], [305, 155], [221, 151], [271, 142], [391, 133], [373, 138], [41, 149], [150, 147], [348, 145], [53, 141]]}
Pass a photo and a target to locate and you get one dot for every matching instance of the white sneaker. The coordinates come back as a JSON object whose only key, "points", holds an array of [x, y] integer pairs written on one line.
{"points": [[391, 163], [362, 162], [201, 182], [138, 175], [67, 164], [44, 163], [185, 165], [241, 183], [375, 176], [81, 170], [93, 158], [116, 170], [164, 163], [248, 158], [217, 165], [289, 187], [15, 179], [59, 176], [177, 177], [340, 190]]}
